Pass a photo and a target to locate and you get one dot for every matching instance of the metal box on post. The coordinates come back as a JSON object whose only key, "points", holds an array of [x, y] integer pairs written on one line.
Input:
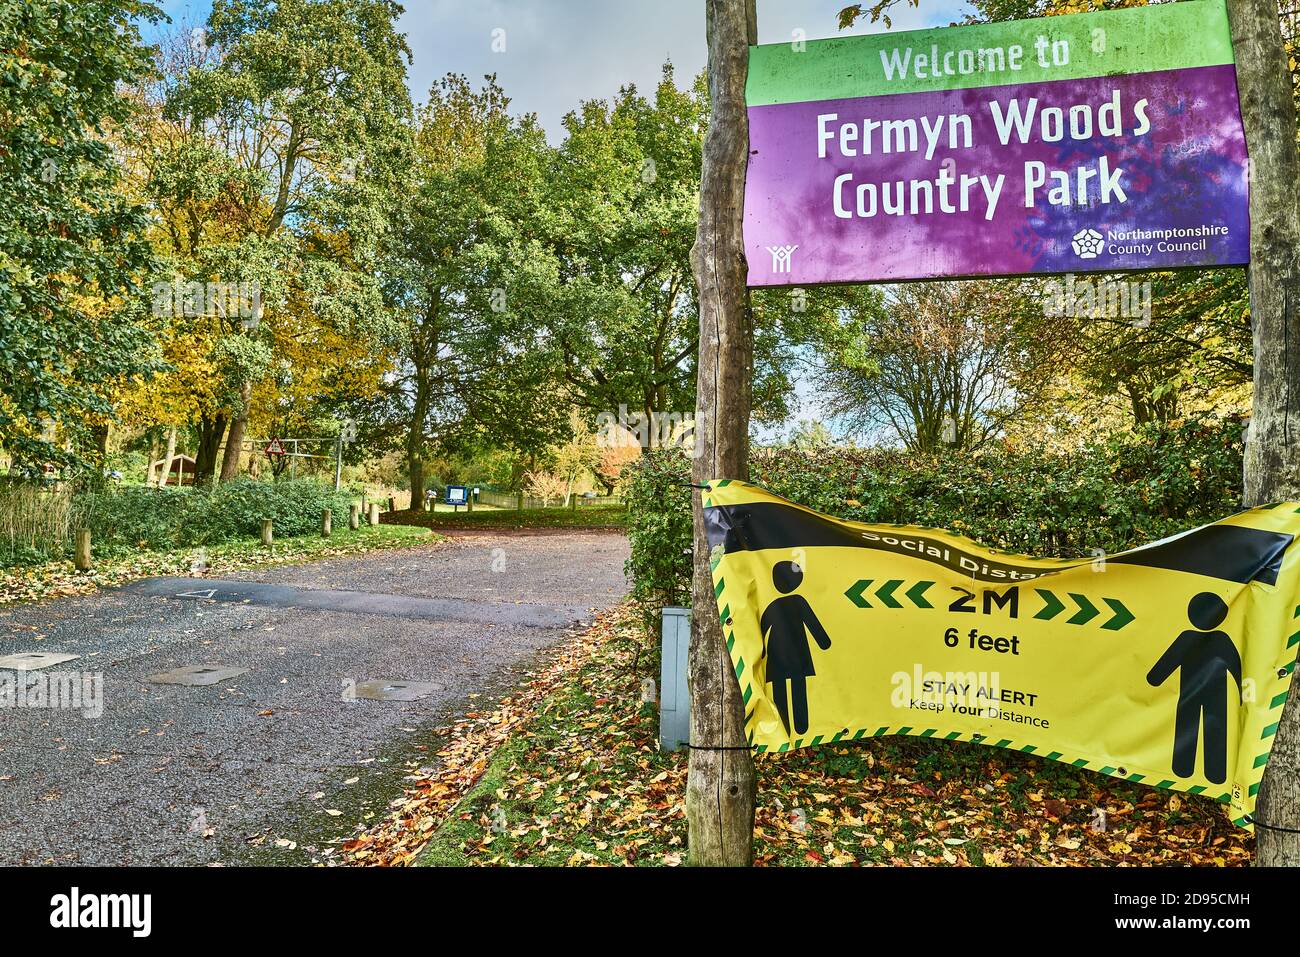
{"points": [[674, 692]]}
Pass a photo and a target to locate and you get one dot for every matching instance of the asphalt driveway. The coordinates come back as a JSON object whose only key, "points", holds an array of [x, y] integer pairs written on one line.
{"points": [[273, 764]]}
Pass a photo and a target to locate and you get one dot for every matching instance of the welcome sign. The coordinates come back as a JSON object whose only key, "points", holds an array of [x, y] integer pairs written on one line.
{"points": [[1092, 142], [1167, 665]]}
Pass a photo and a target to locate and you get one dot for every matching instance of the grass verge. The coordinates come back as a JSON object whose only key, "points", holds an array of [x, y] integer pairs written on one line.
{"points": [[60, 579], [568, 772], [590, 516]]}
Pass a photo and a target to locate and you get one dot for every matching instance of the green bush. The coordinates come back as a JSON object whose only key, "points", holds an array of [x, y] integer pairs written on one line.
{"points": [[135, 517], [659, 524], [1112, 495]]}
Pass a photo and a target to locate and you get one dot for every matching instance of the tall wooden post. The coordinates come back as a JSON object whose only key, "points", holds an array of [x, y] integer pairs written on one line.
{"points": [[720, 786], [1272, 447]]}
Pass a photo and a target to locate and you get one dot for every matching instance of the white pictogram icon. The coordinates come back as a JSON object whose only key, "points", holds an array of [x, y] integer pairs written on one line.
{"points": [[1087, 243], [782, 257]]}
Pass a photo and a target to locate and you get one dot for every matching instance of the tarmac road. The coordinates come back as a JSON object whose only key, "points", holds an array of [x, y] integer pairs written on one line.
{"points": [[176, 774]]}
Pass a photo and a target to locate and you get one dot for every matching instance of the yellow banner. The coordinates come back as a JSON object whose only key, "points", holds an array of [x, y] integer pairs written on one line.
{"points": [[1167, 665]]}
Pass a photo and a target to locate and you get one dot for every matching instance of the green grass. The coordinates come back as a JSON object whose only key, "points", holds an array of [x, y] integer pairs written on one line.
{"points": [[305, 547], [544, 810], [59, 578], [445, 848], [586, 516]]}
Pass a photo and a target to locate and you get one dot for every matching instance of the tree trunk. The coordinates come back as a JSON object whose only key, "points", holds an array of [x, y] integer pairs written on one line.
{"points": [[100, 436], [168, 458], [415, 467], [415, 439], [1272, 452], [205, 460], [720, 786], [235, 440]]}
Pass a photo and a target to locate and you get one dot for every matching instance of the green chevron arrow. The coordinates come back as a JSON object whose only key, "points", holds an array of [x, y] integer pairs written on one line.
{"points": [[1087, 610], [1122, 615], [916, 594], [854, 594], [1052, 606], [886, 593]]}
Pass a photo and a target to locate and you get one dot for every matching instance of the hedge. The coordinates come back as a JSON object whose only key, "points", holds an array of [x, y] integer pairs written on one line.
{"points": [[136, 517], [1110, 495]]}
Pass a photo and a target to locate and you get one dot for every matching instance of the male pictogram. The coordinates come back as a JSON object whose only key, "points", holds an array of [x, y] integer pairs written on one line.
{"points": [[1206, 658], [785, 626]]}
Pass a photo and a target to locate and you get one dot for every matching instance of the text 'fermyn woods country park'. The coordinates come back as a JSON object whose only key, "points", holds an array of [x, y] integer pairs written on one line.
{"points": [[952, 190]]}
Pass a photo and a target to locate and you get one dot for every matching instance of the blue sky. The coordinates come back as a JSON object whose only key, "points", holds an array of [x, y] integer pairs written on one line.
{"points": [[560, 52]]}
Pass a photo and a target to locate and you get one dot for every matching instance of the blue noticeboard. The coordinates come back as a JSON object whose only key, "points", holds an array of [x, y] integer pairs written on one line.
{"points": [[457, 495]]}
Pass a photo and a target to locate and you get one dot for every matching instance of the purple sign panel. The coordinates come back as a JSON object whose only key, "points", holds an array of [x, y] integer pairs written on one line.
{"points": [[1067, 172]]}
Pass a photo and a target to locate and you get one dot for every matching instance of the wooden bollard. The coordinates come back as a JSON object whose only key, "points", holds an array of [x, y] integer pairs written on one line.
{"points": [[326, 523], [392, 504], [374, 513], [268, 536], [354, 516], [81, 557], [469, 501]]}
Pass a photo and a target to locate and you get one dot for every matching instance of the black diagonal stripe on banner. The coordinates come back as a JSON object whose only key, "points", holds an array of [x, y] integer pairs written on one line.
{"points": [[1227, 552]]}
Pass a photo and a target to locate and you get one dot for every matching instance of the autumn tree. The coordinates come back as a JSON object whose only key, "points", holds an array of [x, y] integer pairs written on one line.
{"points": [[1138, 348], [72, 245], [578, 455], [270, 159], [546, 484]]}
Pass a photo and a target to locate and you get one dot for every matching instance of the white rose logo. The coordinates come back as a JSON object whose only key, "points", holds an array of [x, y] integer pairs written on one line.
{"points": [[1087, 243]]}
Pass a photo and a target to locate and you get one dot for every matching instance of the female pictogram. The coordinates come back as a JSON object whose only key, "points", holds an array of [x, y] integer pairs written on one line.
{"points": [[785, 626]]}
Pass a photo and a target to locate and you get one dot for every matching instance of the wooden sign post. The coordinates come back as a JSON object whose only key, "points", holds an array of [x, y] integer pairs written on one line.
{"points": [[1272, 449], [720, 786]]}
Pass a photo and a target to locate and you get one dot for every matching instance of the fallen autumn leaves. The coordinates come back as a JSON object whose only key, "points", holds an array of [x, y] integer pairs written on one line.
{"points": [[568, 772], [61, 580]]}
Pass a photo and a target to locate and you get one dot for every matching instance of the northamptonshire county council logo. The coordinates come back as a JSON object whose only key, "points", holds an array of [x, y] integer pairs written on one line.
{"points": [[782, 257], [1086, 243]]}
